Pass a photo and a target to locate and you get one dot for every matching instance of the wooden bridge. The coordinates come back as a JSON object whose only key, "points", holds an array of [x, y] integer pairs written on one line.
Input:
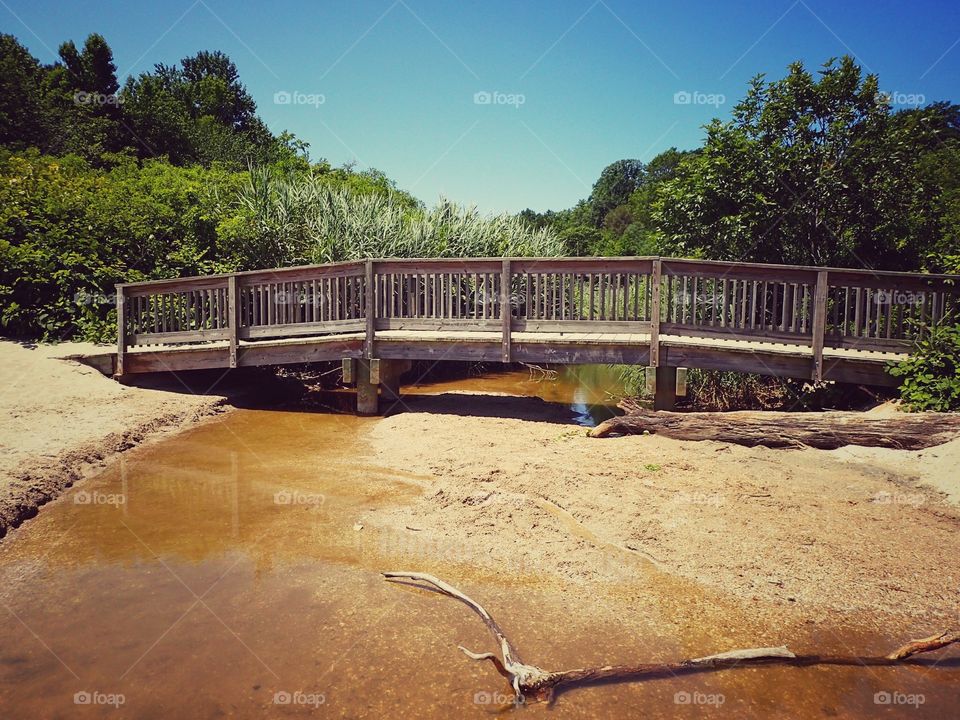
{"points": [[784, 320]]}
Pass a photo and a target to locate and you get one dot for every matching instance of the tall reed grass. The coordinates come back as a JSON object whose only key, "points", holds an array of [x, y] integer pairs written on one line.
{"points": [[309, 220]]}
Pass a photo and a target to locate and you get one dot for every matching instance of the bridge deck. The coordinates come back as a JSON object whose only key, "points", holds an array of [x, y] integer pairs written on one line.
{"points": [[765, 358]]}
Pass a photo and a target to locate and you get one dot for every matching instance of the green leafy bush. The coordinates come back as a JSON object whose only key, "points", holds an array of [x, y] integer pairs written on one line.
{"points": [[69, 232], [931, 375]]}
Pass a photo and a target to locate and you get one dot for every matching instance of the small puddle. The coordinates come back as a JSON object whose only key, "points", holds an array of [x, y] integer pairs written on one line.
{"points": [[222, 573]]}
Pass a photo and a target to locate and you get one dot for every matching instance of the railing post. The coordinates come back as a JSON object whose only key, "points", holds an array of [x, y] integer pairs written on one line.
{"points": [[506, 310], [370, 310], [819, 325], [655, 314], [121, 330], [233, 318]]}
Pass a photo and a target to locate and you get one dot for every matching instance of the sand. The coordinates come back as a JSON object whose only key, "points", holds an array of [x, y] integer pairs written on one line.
{"points": [[61, 420], [854, 530]]}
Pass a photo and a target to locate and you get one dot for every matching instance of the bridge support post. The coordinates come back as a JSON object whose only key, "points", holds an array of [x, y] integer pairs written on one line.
{"points": [[390, 372], [377, 380], [665, 391], [368, 400]]}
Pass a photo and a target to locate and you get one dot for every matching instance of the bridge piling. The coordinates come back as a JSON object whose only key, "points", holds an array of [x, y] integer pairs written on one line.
{"points": [[378, 380], [368, 389], [665, 390]]}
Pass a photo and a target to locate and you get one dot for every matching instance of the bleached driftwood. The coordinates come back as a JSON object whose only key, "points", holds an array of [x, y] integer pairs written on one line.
{"points": [[533, 683]]}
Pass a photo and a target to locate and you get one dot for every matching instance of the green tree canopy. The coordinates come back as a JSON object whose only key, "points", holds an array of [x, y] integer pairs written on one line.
{"points": [[812, 170]]}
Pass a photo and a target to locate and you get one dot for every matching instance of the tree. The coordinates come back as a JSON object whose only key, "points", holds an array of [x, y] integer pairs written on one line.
{"points": [[22, 122], [84, 114], [802, 173], [198, 112], [618, 220], [614, 187]]}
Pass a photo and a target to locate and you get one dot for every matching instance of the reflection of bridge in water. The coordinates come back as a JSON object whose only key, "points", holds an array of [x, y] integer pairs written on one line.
{"points": [[783, 320]]}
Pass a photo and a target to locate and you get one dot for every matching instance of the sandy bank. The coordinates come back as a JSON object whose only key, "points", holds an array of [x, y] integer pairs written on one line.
{"points": [[61, 420], [809, 532]]}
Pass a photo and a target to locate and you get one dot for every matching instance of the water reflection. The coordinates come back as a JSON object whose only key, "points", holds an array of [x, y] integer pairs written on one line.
{"points": [[590, 392]]}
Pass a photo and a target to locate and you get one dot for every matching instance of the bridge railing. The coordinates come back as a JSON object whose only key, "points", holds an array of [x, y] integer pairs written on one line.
{"points": [[807, 306]]}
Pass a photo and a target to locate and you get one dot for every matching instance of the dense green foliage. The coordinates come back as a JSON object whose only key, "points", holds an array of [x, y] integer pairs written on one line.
{"points": [[69, 231], [931, 375], [197, 112]]}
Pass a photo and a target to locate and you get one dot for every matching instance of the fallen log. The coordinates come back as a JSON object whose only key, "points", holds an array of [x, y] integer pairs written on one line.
{"points": [[531, 683], [824, 430]]}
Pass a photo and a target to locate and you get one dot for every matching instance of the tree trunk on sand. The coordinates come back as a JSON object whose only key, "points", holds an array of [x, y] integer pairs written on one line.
{"points": [[824, 430]]}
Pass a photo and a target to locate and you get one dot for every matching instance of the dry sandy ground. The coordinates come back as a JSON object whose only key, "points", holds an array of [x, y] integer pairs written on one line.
{"points": [[813, 532], [60, 419]]}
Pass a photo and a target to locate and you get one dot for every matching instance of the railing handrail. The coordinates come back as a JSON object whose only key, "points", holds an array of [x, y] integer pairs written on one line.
{"points": [[573, 260]]}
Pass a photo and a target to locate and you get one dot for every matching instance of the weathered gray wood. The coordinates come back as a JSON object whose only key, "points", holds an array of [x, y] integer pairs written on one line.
{"points": [[772, 336], [819, 323], [121, 330], [577, 326], [655, 314], [368, 392], [438, 324], [301, 329], [233, 313], [506, 314], [177, 338], [370, 312], [826, 430], [665, 389]]}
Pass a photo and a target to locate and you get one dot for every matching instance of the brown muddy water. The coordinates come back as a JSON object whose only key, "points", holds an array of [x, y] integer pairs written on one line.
{"points": [[221, 573]]}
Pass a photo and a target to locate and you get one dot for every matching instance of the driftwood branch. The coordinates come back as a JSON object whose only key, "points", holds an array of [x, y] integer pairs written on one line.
{"points": [[824, 430], [532, 683]]}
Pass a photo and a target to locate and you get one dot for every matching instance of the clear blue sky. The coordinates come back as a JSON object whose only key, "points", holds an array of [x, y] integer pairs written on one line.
{"points": [[598, 79]]}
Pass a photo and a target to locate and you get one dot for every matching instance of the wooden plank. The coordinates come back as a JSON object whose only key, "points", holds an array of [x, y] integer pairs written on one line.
{"points": [[590, 299], [370, 310], [437, 324], [655, 315], [579, 326], [818, 327], [755, 335], [441, 265], [327, 327], [177, 338], [506, 314], [121, 330], [580, 265], [857, 311], [233, 315]]}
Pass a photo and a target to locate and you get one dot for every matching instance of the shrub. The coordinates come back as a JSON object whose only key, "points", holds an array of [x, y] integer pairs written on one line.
{"points": [[931, 375]]}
